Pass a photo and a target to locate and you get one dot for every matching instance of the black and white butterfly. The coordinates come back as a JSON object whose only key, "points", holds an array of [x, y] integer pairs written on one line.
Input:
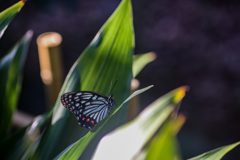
{"points": [[88, 107]]}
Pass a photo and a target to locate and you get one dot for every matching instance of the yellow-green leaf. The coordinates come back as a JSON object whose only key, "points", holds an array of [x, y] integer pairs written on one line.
{"points": [[164, 145], [141, 60], [216, 154]]}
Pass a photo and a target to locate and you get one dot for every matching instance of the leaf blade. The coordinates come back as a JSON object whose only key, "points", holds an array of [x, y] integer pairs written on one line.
{"points": [[165, 145], [216, 154], [141, 60], [11, 67], [8, 14]]}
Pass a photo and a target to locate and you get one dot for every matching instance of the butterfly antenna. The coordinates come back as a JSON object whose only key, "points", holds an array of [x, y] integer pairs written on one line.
{"points": [[112, 87]]}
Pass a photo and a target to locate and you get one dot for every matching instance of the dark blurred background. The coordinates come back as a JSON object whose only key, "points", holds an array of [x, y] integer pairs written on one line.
{"points": [[197, 44]]}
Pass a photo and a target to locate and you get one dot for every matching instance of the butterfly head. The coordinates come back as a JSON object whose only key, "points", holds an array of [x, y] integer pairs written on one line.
{"points": [[110, 99]]}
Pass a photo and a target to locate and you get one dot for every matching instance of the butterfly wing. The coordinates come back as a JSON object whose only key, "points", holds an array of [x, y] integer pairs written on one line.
{"points": [[88, 107]]}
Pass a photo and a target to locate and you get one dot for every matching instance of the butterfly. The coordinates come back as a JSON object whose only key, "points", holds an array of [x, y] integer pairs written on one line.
{"points": [[88, 107]]}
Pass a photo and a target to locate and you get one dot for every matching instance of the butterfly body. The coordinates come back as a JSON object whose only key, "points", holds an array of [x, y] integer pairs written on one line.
{"points": [[88, 107]]}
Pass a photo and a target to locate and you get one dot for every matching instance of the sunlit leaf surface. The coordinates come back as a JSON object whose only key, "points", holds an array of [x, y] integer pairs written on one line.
{"points": [[131, 137], [164, 145]]}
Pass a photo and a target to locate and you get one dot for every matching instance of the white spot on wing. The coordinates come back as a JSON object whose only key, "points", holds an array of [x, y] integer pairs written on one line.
{"points": [[97, 102], [95, 117], [83, 102], [101, 98], [79, 94]]}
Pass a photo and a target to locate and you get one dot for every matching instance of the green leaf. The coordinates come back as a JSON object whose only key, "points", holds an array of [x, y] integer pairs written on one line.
{"points": [[7, 15], [11, 67], [216, 154], [165, 145], [130, 138], [75, 150], [141, 60], [108, 58]]}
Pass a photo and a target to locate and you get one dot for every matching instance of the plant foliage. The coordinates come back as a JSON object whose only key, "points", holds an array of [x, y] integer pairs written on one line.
{"points": [[11, 67], [7, 15], [108, 58]]}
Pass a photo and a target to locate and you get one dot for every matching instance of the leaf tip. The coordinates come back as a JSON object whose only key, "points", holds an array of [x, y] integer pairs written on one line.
{"points": [[153, 55], [151, 86], [180, 93], [23, 1], [29, 33]]}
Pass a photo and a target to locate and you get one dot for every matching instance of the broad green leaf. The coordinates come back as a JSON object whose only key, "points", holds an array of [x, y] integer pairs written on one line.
{"points": [[164, 145], [130, 138], [11, 67], [156, 147], [216, 154], [8, 14], [141, 60], [108, 58], [75, 150], [23, 143]]}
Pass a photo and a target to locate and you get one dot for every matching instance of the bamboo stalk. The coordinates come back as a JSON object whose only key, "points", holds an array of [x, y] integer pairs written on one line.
{"points": [[50, 64]]}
